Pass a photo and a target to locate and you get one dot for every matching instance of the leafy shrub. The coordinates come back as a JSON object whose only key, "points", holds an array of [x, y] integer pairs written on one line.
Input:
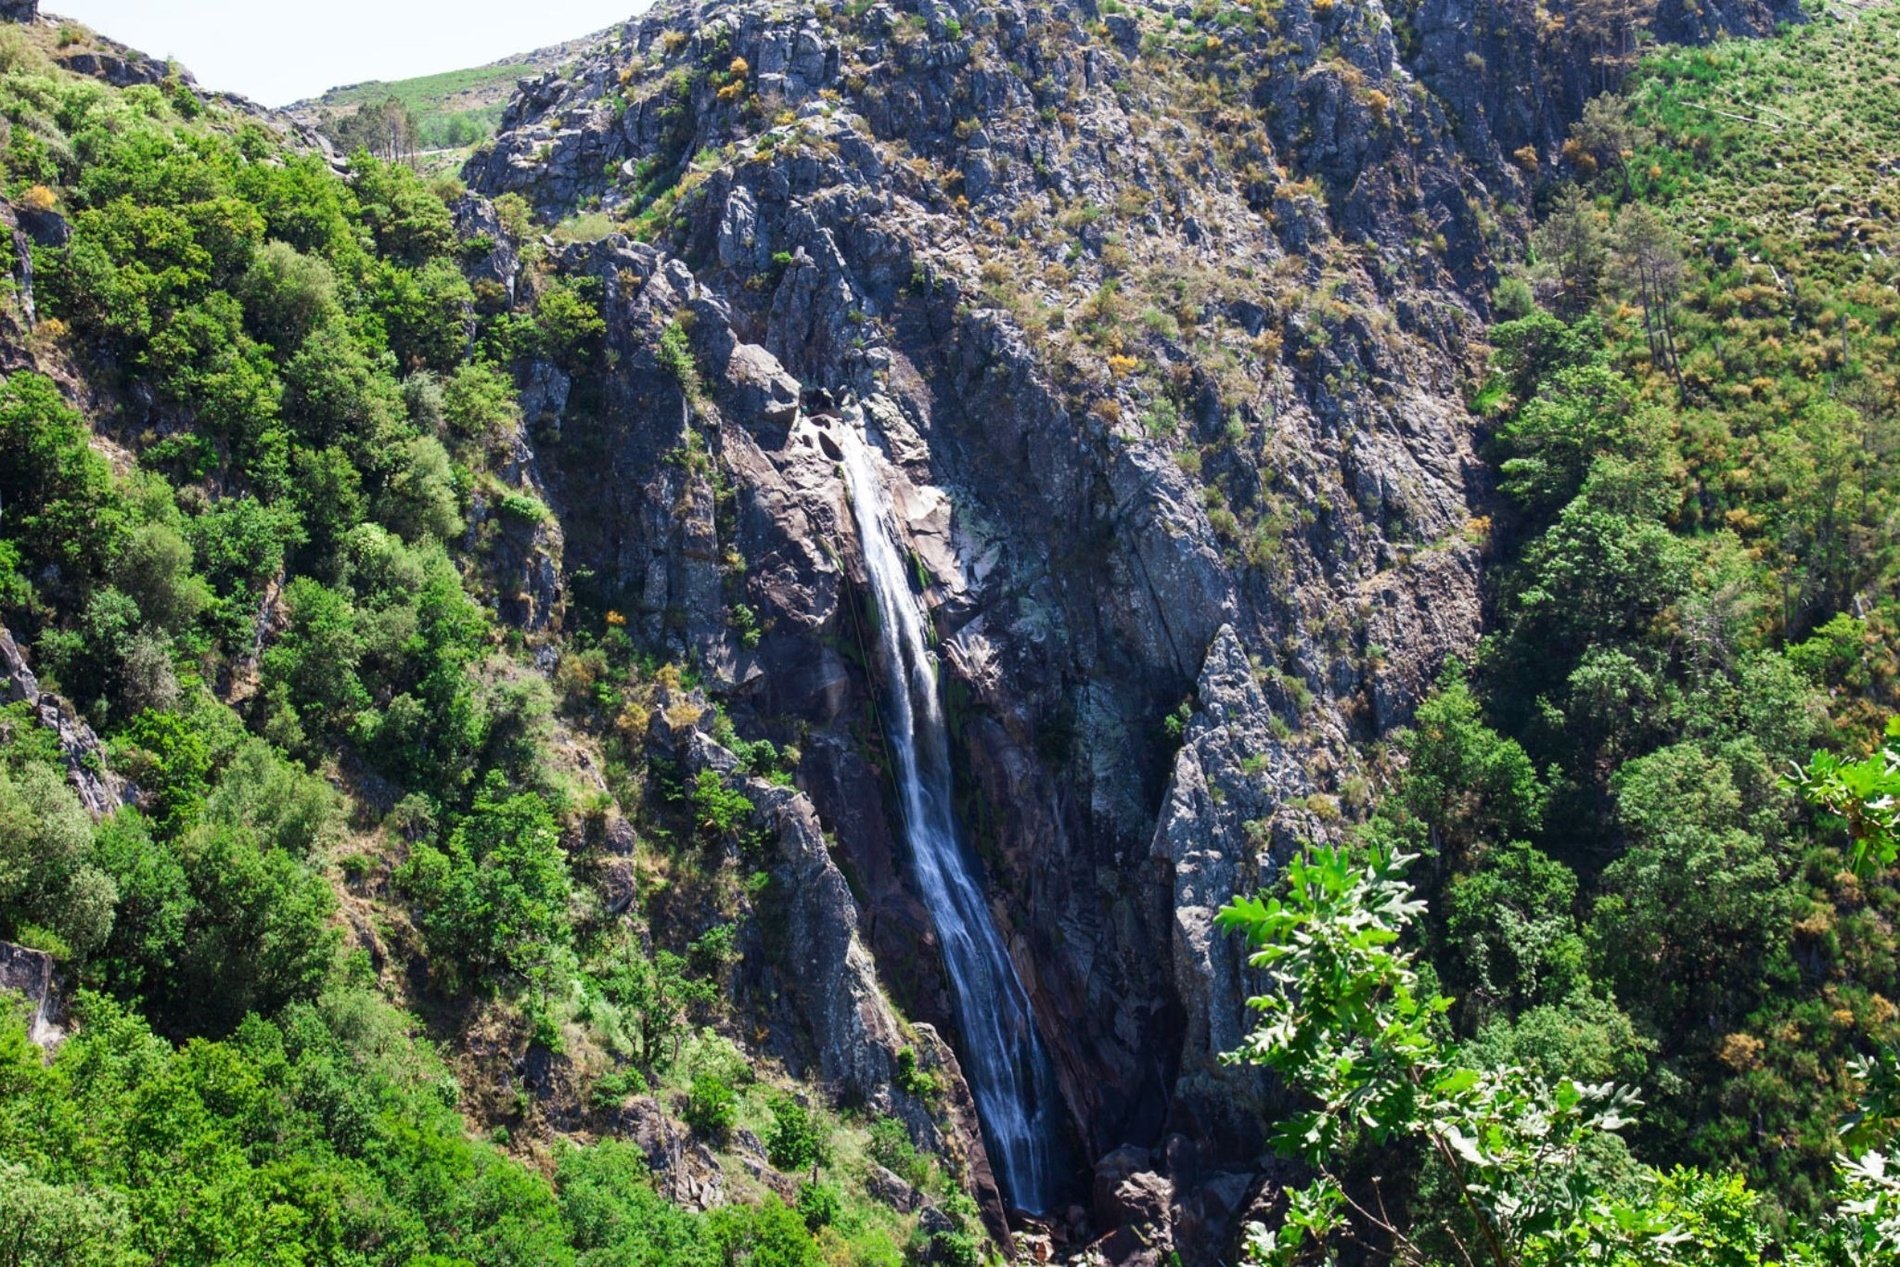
{"points": [[569, 321], [717, 808], [712, 1107], [798, 1138], [891, 1148], [818, 1204], [496, 899], [912, 1079], [615, 1216]]}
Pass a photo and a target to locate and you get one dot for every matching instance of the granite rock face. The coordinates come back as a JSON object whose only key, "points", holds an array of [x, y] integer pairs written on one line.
{"points": [[1164, 358], [100, 791]]}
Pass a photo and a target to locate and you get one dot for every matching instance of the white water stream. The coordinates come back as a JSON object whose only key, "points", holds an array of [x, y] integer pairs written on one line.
{"points": [[1008, 1069]]}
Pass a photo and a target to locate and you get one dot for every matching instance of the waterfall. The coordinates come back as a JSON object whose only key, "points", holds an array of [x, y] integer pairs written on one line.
{"points": [[1008, 1069]]}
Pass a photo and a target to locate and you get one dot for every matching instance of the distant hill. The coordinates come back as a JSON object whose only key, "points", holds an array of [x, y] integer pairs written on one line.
{"points": [[455, 109]]}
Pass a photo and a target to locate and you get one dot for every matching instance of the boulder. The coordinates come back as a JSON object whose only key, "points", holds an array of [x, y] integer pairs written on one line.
{"points": [[19, 10], [883, 1186], [759, 388], [120, 72]]}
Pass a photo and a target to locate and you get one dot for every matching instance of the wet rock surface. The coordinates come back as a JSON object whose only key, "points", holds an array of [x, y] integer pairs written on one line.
{"points": [[31, 975]]}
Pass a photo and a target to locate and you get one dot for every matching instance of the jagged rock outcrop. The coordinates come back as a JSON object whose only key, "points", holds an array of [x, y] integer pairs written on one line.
{"points": [[1162, 332], [1078, 570], [685, 1170], [1516, 74], [101, 791], [19, 10], [817, 984], [1235, 802]]}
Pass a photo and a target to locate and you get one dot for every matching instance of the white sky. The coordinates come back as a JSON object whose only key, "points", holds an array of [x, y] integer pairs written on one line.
{"points": [[279, 51]]}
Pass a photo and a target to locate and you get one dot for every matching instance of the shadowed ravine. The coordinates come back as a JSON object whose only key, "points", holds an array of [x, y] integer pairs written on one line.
{"points": [[1009, 1071]]}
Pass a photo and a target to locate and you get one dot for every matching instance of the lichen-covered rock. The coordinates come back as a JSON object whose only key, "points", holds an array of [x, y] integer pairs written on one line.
{"points": [[1233, 780]]}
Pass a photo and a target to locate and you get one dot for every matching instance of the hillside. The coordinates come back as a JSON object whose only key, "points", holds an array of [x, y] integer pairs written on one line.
{"points": [[454, 110], [956, 632]]}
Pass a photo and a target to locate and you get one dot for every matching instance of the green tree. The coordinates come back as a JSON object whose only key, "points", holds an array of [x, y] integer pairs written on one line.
{"points": [[1465, 785], [496, 900], [316, 658], [798, 1139], [410, 224], [1577, 415], [61, 1223], [1511, 930], [1687, 914], [769, 1234], [287, 295], [49, 882], [1352, 1031], [660, 997], [57, 496], [429, 312], [386, 129]]}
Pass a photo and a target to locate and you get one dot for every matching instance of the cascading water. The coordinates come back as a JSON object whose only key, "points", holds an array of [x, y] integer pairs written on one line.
{"points": [[1009, 1071]]}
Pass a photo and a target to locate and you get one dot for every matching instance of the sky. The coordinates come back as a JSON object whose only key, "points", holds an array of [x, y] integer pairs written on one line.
{"points": [[280, 51]]}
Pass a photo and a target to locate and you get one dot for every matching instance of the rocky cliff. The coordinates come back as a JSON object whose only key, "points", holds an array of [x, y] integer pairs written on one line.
{"points": [[1163, 317]]}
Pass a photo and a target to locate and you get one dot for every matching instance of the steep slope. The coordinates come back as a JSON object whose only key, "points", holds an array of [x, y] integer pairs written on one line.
{"points": [[1165, 320], [453, 109], [1124, 413], [271, 543]]}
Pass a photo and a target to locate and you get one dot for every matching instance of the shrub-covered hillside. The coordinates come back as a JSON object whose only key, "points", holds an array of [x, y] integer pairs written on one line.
{"points": [[1692, 415], [358, 930]]}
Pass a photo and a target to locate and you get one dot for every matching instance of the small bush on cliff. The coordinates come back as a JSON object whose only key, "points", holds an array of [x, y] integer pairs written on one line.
{"points": [[570, 324], [717, 808], [676, 358], [798, 1139], [712, 1107]]}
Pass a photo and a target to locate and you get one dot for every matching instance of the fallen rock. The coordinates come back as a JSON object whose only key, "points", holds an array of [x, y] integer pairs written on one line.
{"points": [[882, 1185], [684, 1169]]}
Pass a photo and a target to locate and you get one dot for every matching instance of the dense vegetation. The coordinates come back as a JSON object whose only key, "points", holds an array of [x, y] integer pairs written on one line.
{"points": [[1693, 408], [265, 567]]}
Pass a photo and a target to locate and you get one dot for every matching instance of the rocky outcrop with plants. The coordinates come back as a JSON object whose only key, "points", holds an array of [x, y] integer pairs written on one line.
{"points": [[1166, 318]]}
